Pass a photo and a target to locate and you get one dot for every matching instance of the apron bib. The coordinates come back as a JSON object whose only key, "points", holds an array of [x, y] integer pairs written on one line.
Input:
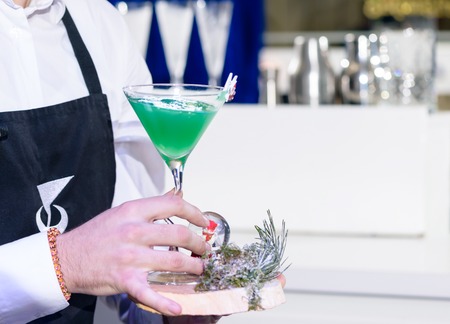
{"points": [[57, 168]]}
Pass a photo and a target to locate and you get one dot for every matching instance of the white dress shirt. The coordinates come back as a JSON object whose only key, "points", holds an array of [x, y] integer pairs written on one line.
{"points": [[38, 68]]}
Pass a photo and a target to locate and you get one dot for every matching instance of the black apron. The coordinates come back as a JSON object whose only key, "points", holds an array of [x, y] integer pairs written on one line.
{"points": [[57, 168]]}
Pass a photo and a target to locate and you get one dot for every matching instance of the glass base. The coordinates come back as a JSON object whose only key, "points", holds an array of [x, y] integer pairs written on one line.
{"points": [[172, 278]]}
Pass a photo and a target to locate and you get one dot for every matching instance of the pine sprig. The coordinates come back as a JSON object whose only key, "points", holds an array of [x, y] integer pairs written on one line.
{"points": [[251, 266], [272, 247]]}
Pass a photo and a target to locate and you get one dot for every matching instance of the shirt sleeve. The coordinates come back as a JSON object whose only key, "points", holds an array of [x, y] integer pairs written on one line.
{"points": [[28, 281]]}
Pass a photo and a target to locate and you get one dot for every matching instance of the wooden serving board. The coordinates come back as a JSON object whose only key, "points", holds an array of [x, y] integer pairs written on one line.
{"points": [[221, 302]]}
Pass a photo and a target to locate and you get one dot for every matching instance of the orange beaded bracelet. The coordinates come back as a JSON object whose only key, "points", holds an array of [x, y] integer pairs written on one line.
{"points": [[52, 233]]}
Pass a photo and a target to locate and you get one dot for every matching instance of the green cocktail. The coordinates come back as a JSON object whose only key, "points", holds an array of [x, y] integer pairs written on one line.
{"points": [[174, 126], [175, 117]]}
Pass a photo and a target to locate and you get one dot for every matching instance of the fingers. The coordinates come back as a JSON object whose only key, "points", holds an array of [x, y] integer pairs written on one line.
{"points": [[182, 209], [171, 261], [145, 295], [139, 238], [165, 206], [170, 235]]}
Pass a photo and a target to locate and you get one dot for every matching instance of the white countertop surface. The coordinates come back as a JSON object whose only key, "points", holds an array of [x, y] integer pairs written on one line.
{"points": [[340, 257]]}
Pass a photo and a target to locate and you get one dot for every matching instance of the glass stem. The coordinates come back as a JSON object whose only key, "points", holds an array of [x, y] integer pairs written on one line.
{"points": [[177, 172], [175, 78], [213, 81]]}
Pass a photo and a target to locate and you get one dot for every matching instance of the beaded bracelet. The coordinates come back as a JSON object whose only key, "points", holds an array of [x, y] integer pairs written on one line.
{"points": [[52, 233]]}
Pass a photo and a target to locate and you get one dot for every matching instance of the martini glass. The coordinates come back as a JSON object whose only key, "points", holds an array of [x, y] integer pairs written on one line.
{"points": [[213, 19], [175, 21], [175, 117], [138, 16]]}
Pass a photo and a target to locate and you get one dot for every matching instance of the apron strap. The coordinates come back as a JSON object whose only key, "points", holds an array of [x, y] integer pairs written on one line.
{"points": [[82, 54]]}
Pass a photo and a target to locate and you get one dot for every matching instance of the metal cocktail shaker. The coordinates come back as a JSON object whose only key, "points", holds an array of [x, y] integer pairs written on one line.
{"points": [[358, 84], [312, 79], [268, 89]]}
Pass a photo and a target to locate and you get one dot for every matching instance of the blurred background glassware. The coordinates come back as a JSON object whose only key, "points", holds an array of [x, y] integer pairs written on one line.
{"points": [[138, 16], [407, 52], [311, 78], [268, 85], [213, 21], [175, 20], [358, 84]]}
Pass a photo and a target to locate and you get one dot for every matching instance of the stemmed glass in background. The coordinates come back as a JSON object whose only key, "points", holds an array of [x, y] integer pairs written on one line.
{"points": [[213, 20], [138, 16], [175, 20]]}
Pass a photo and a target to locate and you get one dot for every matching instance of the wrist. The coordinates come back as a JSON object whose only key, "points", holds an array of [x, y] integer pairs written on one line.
{"points": [[52, 235]]}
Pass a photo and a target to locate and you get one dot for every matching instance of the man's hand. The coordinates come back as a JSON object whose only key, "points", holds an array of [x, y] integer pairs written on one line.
{"points": [[113, 252]]}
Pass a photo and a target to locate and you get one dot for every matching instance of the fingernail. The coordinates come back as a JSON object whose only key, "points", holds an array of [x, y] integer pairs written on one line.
{"points": [[174, 309]]}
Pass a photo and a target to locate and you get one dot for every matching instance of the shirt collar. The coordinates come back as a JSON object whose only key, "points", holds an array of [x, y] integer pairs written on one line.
{"points": [[38, 5]]}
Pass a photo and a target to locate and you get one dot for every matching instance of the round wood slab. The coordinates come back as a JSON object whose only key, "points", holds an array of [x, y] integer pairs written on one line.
{"points": [[221, 302]]}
